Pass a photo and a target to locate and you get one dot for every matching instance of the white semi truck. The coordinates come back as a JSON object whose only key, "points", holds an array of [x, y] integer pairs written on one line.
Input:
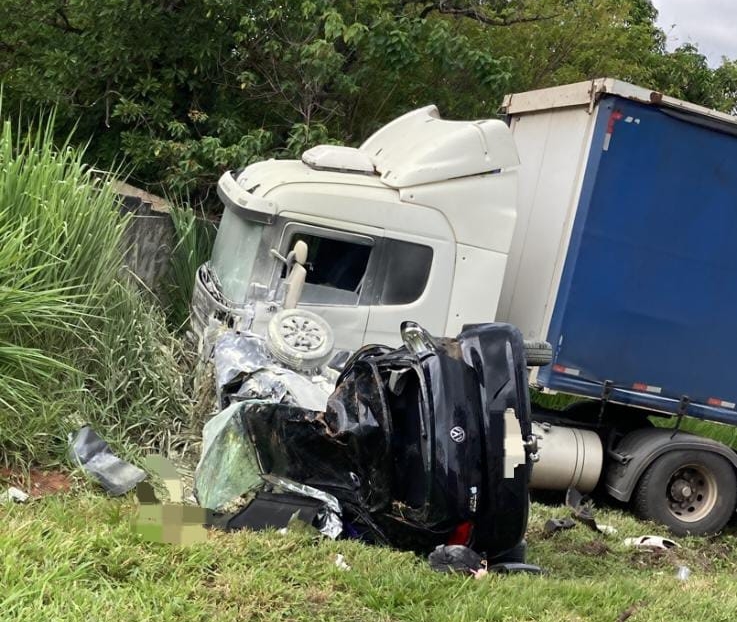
{"points": [[598, 216]]}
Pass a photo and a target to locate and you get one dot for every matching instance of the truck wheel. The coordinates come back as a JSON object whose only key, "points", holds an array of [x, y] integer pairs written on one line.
{"points": [[538, 353], [691, 492]]}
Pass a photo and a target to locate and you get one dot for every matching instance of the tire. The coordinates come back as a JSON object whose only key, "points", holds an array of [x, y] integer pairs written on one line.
{"points": [[691, 492], [538, 353], [300, 339]]}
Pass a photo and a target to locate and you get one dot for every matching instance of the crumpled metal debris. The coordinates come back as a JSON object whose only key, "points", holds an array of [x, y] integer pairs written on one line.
{"points": [[245, 370], [229, 468], [236, 355], [93, 454]]}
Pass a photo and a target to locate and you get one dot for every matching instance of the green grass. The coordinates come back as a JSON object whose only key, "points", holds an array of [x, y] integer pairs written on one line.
{"points": [[78, 342], [194, 238], [76, 558]]}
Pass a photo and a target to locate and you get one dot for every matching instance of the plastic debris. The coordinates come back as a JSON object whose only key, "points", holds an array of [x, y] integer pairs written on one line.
{"points": [[651, 542], [275, 511], [607, 529], [515, 568], [328, 519], [456, 558], [16, 494], [683, 573], [558, 524], [93, 454], [582, 508], [340, 562]]}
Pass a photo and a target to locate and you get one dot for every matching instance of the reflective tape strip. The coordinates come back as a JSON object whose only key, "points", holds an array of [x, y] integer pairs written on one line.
{"points": [[713, 401], [648, 388], [562, 369]]}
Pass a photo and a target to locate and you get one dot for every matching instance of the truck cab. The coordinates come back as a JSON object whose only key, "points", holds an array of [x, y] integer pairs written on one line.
{"points": [[415, 223]]}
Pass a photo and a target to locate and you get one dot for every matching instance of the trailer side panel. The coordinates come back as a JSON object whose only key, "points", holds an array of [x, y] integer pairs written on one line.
{"points": [[649, 285]]}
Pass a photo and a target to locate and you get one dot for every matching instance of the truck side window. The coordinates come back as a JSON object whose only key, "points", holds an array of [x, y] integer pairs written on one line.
{"points": [[407, 270], [335, 269]]}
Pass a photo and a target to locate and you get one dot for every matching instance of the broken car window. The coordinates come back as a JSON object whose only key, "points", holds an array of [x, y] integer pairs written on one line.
{"points": [[335, 269], [235, 251]]}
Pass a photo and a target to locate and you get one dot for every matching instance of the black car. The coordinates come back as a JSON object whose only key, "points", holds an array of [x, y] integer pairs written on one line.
{"points": [[413, 441]]}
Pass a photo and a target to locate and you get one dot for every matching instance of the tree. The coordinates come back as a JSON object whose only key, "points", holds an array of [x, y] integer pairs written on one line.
{"points": [[184, 89]]}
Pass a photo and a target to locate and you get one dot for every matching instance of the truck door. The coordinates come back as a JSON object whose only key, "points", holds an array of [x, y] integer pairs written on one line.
{"points": [[413, 282], [340, 275]]}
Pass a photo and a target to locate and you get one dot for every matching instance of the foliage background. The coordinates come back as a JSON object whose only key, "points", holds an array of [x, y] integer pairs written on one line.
{"points": [[184, 89]]}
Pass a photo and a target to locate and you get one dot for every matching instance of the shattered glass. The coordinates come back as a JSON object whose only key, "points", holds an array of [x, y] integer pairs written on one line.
{"points": [[228, 467]]}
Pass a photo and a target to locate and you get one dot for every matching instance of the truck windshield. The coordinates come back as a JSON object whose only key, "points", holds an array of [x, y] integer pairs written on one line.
{"points": [[234, 254]]}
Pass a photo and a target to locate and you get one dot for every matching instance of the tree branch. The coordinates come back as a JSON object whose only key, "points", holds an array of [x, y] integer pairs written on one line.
{"points": [[474, 13], [65, 25]]}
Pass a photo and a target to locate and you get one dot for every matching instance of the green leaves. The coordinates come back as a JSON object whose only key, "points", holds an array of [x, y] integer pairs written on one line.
{"points": [[175, 86]]}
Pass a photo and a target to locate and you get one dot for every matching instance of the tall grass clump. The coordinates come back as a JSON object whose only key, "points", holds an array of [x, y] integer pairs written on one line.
{"points": [[78, 343], [194, 237]]}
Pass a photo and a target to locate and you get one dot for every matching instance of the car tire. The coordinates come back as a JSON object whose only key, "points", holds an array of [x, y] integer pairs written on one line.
{"points": [[300, 339], [538, 353], [691, 492]]}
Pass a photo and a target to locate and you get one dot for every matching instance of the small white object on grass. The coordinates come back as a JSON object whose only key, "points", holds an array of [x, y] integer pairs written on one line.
{"points": [[340, 562], [651, 542], [16, 494]]}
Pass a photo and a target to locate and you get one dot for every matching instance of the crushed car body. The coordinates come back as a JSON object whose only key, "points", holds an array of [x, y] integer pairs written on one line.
{"points": [[426, 444]]}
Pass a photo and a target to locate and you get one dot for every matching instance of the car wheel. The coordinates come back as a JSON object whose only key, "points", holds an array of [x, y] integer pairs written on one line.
{"points": [[300, 339], [691, 492]]}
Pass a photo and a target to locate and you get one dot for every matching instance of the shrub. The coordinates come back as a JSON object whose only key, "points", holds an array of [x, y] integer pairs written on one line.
{"points": [[78, 343]]}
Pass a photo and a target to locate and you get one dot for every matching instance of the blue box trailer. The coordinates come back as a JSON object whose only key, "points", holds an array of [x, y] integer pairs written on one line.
{"points": [[624, 258], [632, 273]]}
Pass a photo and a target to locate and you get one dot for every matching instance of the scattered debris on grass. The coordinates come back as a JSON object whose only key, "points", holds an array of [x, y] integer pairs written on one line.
{"points": [[554, 525], [17, 495], [94, 455], [456, 558], [651, 542]]}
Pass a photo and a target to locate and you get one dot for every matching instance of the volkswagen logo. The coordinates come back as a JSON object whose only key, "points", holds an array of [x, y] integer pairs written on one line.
{"points": [[458, 434]]}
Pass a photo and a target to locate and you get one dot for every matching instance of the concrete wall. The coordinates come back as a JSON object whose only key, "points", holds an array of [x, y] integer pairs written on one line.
{"points": [[149, 240]]}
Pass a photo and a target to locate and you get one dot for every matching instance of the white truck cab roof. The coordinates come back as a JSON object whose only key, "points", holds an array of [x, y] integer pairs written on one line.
{"points": [[426, 160]]}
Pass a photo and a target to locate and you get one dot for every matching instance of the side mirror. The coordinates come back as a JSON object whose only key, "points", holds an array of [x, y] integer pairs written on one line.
{"points": [[417, 339]]}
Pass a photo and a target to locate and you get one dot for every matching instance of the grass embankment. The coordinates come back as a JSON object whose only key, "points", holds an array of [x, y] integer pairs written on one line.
{"points": [[75, 558], [78, 342]]}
